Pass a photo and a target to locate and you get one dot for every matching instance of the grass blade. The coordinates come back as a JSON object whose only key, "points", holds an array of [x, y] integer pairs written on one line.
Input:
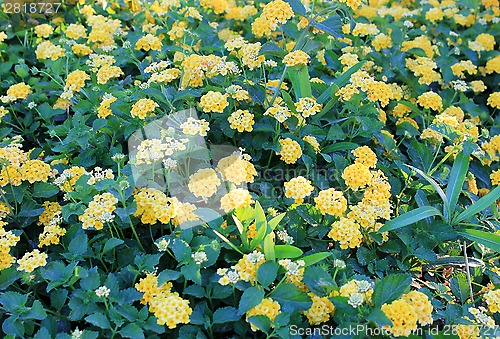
{"points": [[456, 181], [479, 205], [410, 218], [489, 240], [436, 186]]}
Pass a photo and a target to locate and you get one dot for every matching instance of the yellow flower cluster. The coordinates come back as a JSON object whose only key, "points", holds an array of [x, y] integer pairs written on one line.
{"points": [[43, 30], [100, 210], [67, 180], [267, 307], [236, 198], [290, 151], [195, 127], [279, 110], [75, 31], [195, 68], [76, 81], [296, 58], [424, 69], [241, 120], [298, 188], [422, 42], [431, 100], [483, 42], [19, 91], [492, 148], [103, 30], [311, 140], [52, 209], [248, 265], [494, 100], [148, 42], [495, 177], [274, 13], [47, 50], [107, 72], [32, 260], [331, 201], [308, 107], [167, 306], [143, 108], [10, 174], [381, 41], [357, 176], [236, 169], [213, 102], [104, 111], [463, 66], [347, 232], [7, 240], [204, 183], [153, 205], [51, 234], [320, 311], [412, 308], [35, 170], [365, 156]]}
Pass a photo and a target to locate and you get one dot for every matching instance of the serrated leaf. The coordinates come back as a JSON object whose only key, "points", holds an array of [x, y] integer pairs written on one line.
{"points": [[390, 288], [225, 314], [266, 273], [249, 299]]}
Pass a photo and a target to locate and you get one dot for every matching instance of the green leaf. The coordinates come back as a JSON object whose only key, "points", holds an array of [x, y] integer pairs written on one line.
{"points": [[439, 190], [225, 314], [290, 294], [262, 322], [78, 246], [99, 320], [489, 240], [390, 288], [460, 287], [226, 240], [269, 247], [13, 302], [249, 299], [315, 258], [132, 331], [456, 181], [266, 273], [44, 190], [410, 218], [287, 252], [260, 226], [297, 6], [340, 146], [332, 25], [276, 220], [36, 311], [479, 205], [110, 244], [378, 317]]}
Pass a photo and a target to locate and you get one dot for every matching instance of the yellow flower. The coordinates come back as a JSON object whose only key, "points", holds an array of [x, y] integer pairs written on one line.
{"points": [[214, 102], [298, 188], [357, 176], [32, 260], [267, 307], [290, 151], [295, 58], [331, 201]]}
